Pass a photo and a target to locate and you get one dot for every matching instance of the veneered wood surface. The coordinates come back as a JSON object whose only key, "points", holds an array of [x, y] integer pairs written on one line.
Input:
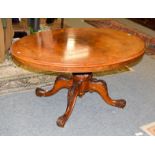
{"points": [[78, 49]]}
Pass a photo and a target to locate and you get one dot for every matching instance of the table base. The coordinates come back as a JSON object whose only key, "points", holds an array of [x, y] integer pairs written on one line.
{"points": [[78, 85]]}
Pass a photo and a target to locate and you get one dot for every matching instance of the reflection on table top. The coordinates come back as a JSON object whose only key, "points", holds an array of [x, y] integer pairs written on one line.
{"points": [[78, 49]]}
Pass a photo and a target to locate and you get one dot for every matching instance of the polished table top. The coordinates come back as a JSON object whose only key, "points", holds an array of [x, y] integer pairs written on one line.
{"points": [[78, 49]]}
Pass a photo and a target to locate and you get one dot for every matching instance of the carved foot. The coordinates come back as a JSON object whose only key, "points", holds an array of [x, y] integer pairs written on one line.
{"points": [[61, 121], [100, 87], [119, 103], [40, 92]]}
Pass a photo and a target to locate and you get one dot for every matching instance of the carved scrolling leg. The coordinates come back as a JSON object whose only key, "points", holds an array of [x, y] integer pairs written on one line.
{"points": [[100, 87], [79, 87], [72, 95], [60, 83]]}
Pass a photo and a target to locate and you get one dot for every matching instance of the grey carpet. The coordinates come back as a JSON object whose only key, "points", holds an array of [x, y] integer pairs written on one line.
{"points": [[26, 114]]}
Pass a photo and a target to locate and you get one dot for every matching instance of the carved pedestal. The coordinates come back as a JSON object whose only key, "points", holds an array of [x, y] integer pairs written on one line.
{"points": [[78, 85]]}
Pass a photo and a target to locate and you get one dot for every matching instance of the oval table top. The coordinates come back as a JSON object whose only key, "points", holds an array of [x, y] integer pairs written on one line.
{"points": [[78, 50]]}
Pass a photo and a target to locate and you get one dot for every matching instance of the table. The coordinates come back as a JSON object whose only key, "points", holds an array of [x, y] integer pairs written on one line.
{"points": [[80, 51]]}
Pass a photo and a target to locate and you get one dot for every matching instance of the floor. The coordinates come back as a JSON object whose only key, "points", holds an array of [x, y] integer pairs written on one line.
{"points": [[27, 114], [79, 22]]}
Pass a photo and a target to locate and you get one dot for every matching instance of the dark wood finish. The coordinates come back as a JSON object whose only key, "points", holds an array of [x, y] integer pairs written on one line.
{"points": [[62, 22], [81, 52], [78, 85], [148, 22]]}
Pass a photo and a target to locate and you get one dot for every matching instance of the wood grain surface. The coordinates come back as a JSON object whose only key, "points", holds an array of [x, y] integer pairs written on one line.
{"points": [[78, 50]]}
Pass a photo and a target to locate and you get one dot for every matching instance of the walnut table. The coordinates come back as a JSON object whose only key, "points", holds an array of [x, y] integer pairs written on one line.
{"points": [[80, 51]]}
